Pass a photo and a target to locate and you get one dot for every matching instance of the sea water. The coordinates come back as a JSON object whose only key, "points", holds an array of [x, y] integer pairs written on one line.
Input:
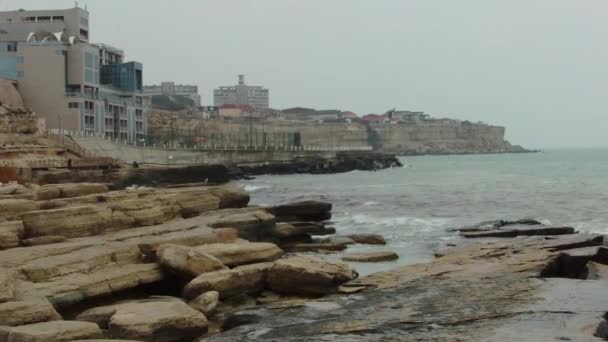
{"points": [[414, 207]]}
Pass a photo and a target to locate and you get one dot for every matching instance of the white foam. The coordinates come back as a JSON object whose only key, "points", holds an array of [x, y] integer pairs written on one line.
{"points": [[254, 188]]}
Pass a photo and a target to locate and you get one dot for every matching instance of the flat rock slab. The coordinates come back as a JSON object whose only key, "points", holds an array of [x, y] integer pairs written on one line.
{"points": [[239, 280], [237, 254], [304, 275], [57, 331], [520, 230], [187, 261], [369, 239], [154, 319], [27, 311], [371, 257]]}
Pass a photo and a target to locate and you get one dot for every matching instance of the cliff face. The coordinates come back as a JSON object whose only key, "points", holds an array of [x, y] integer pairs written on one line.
{"points": [[441, 136], [444, 139]]}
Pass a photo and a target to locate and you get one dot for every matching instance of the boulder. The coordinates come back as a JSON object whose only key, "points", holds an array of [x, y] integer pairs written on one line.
{"points": [[69, 222], [306, 275], [303, 211], [43, 240], [187, 261], [237, 254], [12, 188], [57, 331], [206, 303], [8, 283], [290, 229], [154, 319], [315, 247], [194, 202], [146, 211], [250, 224], [371, 257], [369, 239], [239, 280], [11, 208], [338, 240], [27, 311], [11, 232]]}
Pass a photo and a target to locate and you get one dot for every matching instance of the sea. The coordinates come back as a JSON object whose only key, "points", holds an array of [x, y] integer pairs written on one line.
{"points": [[414, 207]]}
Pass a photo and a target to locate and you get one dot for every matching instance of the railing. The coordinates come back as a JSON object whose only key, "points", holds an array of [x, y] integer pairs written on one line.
{"points": [[63, 138], [206, 147], [96, 162]]}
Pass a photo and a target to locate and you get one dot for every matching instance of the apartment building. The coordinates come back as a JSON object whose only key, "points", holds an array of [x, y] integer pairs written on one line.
{"points": [[172, 89], [242, 94], [68, 81]]}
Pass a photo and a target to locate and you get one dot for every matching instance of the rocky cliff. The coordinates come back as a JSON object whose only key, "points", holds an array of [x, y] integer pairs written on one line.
{"points": [[453, 138], [433, 136]]}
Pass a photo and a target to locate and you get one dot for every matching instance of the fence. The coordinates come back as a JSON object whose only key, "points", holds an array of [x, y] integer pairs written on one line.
{"points": [[214, 146]]}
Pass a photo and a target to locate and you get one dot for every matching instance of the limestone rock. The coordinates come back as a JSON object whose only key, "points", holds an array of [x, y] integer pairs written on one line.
{"points": [[12, 188], [315, 247], [11, 208], [206, 302], [371, 257], [57, 331], [27, 311], [597, 271], [237, 254], [369, 239], [188, 261], [8, 282], [147, 211], [308, 275], [239, 280], [43, 240], [69, 222], [290, 229], [154, 319], [67, 190], [11, 232]]}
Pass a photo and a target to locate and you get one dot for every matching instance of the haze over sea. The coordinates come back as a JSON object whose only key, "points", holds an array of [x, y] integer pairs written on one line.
{"points": [[413, 207]]}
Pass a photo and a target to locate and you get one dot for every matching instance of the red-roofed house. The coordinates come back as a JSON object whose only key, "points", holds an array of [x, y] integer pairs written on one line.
{"points": [[374, 118], [235, 111]]}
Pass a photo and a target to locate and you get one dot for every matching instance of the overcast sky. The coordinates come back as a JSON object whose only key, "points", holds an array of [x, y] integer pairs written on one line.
{"points": [[538, 67]]}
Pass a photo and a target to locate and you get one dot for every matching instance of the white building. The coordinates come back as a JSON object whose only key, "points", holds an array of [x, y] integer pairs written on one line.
{"points": [[242, 94]]}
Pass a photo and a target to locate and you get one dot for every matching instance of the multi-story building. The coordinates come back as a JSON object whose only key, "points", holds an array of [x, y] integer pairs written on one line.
{"points": [[172, 89], [69, 82], [242, 94]]}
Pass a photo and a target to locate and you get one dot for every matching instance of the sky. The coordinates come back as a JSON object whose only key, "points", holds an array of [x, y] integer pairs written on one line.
{"points": [[537, 67]]}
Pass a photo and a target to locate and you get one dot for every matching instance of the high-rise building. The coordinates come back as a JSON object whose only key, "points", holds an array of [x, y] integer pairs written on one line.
{"points": [[242, 94], [68, 81], [172, 89]]}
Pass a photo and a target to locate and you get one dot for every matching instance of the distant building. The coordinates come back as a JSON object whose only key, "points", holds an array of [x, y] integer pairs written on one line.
{"points": [[172, 89], [406, 116], [242, 94], [374, 118], [235, 111], [69, 82]]}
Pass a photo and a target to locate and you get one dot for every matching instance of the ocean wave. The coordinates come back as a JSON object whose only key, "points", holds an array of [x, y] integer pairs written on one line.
{"points": [[395, 221], [254, 188], [370, 203]]}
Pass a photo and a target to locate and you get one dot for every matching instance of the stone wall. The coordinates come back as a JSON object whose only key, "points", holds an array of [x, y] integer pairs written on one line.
{"points": [[17, 120]]}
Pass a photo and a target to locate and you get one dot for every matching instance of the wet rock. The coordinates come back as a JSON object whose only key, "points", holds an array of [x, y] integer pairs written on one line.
{"points": [[338, 240], [27, 311], [206, 302], [239, 280], [11, 232], [308, 275], [496, 224], [597, 271], [521, 230], [43, 240], [291, 229], [237, 254], [154, 319], [369, 239], [187, 261], [69, 222], [303, 211], [58, 331], [315, 247], [371, 257]]}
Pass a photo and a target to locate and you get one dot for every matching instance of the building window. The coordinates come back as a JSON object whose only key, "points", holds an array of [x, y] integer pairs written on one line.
{"points": [[20, 59], [74, 105], [58, 18], [84, 21], [84, 34], [88, 59]]}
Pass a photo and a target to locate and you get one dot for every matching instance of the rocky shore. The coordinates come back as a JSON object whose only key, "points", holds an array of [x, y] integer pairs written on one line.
{"points": [[79, 261]]}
